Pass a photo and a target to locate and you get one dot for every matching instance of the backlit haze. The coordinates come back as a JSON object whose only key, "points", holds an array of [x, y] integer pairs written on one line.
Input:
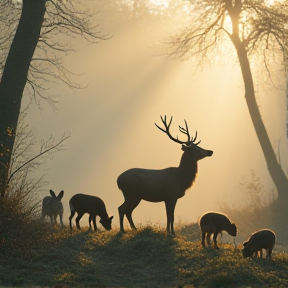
{"points": [[129, 85]]}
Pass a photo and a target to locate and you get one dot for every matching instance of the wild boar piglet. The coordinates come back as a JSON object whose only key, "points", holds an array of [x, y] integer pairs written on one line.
{"points": [[214, 223], [262, 239]]}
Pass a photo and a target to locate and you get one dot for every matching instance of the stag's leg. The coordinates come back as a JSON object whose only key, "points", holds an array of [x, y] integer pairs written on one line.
{"points": [[70, 218], [77, 220], [172, 217], [122, 211], [131, 206], [170, 207]]}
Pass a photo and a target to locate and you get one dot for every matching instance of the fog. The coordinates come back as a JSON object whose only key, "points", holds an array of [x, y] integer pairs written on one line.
{"points": [[129, 85]]}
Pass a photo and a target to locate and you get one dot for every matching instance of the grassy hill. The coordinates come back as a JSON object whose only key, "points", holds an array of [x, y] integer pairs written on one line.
{"points": [[145, 258]]}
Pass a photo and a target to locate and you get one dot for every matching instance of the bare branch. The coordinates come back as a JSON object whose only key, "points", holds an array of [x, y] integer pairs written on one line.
{"points": [[55, 146], [262, 28]]}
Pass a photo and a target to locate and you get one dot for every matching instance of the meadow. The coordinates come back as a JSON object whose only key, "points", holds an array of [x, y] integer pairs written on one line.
{"points": [[46, 256]]}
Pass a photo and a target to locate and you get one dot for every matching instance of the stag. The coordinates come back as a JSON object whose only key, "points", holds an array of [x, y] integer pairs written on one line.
{"points": [[166, 185]]}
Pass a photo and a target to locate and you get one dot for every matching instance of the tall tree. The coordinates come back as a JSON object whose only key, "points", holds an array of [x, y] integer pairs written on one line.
{"points": [[35, 30], [254, 27]]}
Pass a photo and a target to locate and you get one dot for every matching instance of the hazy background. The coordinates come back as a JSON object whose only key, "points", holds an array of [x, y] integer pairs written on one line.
{"points": [[129, 87]]}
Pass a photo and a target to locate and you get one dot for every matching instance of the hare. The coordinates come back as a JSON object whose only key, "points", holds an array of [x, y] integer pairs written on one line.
{"points": [[52, 207]]}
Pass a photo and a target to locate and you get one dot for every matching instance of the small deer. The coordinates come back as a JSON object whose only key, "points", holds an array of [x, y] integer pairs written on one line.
{"points": [[52, 207], [92, 205], [214, 223], [166, 185]]}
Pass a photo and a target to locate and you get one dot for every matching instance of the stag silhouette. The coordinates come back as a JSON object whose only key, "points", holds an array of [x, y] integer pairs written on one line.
{"points": [[161, 185]]}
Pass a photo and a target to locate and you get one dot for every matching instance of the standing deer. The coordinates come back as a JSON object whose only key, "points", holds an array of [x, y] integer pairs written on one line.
{"points": [[52, 207], [161, 185]]}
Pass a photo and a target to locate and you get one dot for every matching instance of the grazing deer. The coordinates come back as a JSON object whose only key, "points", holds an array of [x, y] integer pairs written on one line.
{"points": [[161, 185], [214, 223], [92, 205], [52, 207]]}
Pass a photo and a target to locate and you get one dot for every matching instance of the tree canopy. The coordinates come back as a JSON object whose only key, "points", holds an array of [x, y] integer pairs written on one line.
{"points": [[261, 27]]}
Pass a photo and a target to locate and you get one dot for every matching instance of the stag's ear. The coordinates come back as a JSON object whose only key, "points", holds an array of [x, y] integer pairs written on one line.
{"points": [[52, 194], [60, 195], [111, 218]]}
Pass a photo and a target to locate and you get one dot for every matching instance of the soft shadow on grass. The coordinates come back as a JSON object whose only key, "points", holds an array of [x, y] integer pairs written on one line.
{"points": [[144, 258], [91, 259], [135, 258], [53, 259]]}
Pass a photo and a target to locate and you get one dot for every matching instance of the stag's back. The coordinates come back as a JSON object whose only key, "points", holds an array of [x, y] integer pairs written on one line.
{"points": [[151, 185]]}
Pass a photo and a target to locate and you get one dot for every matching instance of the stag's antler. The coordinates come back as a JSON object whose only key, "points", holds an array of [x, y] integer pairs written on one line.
{"points": [[181, 129]]}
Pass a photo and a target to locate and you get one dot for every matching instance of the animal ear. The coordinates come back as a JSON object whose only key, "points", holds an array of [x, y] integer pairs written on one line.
{"points": [[111, 218], [60, 195], [52, 194]]}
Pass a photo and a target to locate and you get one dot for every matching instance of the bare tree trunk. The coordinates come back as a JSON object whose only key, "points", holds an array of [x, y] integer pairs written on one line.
{"points": [[14, 80], [279, 212], [278, 176], [276, 218]]}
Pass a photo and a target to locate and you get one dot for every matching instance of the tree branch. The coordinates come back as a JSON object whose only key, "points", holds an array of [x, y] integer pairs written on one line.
{"points": [[64, 137]]}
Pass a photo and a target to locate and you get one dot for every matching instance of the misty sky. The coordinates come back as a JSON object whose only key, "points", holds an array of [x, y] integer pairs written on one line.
{"points": [[130, 84]]}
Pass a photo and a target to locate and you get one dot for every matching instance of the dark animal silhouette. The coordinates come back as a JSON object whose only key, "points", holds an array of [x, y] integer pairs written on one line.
{"points": [[161, 185], [214, 223], [256, 253], [52, 207], [262, 239], [92, 205]]}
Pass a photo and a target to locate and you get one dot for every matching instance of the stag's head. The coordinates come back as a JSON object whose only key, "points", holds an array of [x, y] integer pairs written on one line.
{"points": [[190, 146]]}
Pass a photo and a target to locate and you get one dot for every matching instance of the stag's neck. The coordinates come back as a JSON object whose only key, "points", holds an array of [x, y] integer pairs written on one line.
{"points": [[188, 170]]}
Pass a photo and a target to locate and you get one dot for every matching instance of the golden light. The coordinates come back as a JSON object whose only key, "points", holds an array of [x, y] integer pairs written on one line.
{"points": [[161, 3]]}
